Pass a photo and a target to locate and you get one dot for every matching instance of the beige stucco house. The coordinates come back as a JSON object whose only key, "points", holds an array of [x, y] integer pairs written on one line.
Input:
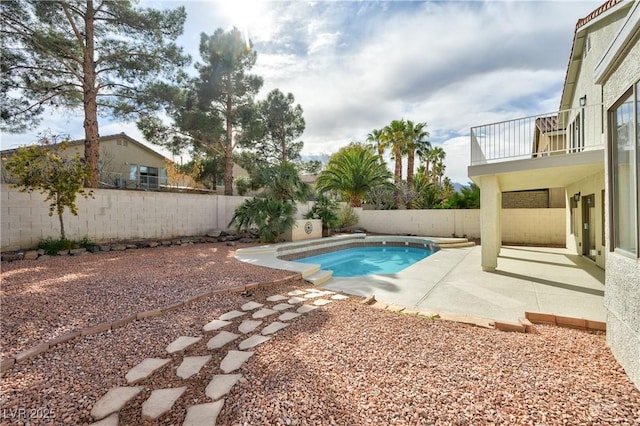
{"points": [[591, 148], [124, 163]]}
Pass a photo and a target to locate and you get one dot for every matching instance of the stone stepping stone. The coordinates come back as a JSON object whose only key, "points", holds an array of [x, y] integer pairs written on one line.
{"points": [[234, 360], [312, 290], [282, 307], [215, 324], [321, 302], [203, 414], [306, 308], [231, 315], [275, 326], [296, 300], [114, 400], [161, 401], [145, 369], [339, 297], [296, 293], [192, 365], [181, 343], [314, 295], [248, 326], [252, 341], [221, 384], [221, 339], [276, 298], [265, 312], [112, 420], [288, 316], [250, 306]]}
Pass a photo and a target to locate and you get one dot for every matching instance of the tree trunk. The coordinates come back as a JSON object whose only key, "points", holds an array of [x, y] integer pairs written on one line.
{"points": [[410, 164], [90, 92], [60, 212], [228, 150], [398, 165]]}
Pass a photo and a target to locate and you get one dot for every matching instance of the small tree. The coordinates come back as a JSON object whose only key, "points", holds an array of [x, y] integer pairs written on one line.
{"points": [[42, 168], [324, 209]]}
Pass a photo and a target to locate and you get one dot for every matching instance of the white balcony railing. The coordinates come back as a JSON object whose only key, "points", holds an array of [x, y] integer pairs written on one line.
{"points": [[558, 133]]}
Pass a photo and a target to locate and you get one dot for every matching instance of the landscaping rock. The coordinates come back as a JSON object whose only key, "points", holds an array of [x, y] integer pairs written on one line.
{"points": [[114, 400], [161, 401], [31, 255]]}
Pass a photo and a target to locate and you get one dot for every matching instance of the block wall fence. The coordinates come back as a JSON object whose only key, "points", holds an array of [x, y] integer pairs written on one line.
{"points": [[117, 215]]}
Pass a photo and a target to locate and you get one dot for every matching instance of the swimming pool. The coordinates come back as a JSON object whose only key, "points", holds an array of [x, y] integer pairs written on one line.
{"points": [[361, 261]]}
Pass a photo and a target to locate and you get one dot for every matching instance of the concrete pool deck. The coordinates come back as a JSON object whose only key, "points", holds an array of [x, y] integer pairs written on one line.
{"points": [[533, 279]]}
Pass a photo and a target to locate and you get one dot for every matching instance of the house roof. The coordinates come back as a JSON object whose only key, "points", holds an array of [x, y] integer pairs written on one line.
{"points": [[116, 136], [579, 36]]}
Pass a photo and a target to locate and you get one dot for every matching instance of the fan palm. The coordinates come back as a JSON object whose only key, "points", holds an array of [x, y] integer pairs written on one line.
{"points": [[376, 138], [395, 136], [352, 172]]}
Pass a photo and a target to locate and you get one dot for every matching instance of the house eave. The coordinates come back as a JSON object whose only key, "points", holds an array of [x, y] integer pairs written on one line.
{"points": [[541, 172]]}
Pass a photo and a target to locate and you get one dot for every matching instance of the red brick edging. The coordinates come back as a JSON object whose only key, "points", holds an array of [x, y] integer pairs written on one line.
{"points": [[38, 349]]}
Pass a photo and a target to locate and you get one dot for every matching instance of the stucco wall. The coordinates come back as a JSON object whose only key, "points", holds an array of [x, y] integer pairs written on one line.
{"points": [[519, 226], [593, 184], [622, 285], [110, 215]]}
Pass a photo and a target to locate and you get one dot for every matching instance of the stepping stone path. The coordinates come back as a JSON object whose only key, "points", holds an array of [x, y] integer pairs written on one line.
{"points": [[161, 401], [144, 369], [192, 365], [181, 343], [222, 339]]}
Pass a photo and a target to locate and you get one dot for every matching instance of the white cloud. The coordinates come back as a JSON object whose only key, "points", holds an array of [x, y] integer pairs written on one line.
{"points": [[355, 66]]}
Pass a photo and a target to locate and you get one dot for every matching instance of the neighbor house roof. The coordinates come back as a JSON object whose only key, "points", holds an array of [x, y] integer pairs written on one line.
{"points": [[116, 136]]}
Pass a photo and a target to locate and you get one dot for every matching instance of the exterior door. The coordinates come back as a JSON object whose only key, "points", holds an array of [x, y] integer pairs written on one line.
{"points": [[589, 226]]}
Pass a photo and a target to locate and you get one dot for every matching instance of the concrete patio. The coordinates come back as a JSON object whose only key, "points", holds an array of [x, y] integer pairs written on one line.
{"points": [[535, 279]]}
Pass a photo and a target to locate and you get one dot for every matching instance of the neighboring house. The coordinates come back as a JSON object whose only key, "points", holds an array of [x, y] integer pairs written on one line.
{"points": [[124, 163], [590, 147]]}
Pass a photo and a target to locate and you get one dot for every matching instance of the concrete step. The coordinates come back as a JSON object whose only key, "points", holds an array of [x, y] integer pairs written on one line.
{"points": [[457, 245], [319, 277]]}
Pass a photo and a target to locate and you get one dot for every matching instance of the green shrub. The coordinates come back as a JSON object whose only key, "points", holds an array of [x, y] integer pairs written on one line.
{"points": [[86, 242], [53, 246], [347, 218]]}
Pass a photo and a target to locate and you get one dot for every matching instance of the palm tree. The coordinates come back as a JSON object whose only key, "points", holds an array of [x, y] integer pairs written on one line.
{"points": [[416, 142], [395, 136], [436, 156], [376, 138], [352, 172]]}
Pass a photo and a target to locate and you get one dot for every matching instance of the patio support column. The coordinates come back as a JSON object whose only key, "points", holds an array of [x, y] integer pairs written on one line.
{"points": [[490, 221]]}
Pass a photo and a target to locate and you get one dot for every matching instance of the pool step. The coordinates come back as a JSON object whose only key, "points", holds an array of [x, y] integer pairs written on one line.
{"points": [[457, 245], [319, 277]]}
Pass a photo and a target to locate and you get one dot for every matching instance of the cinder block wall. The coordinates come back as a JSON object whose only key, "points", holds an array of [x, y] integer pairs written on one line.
{"points": [[110, 216], [519, 226]]}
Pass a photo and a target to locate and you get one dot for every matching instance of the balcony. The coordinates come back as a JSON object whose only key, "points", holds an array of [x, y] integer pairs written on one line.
{"points": [[558, 133], [542, 151]]}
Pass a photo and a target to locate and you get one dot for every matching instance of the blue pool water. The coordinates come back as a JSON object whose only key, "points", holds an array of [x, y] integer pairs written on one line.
{"points": [[356, 262]]}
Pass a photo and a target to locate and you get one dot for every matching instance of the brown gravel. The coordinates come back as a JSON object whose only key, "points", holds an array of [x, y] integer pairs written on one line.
{"points": [[43, 299], [342, 364]]}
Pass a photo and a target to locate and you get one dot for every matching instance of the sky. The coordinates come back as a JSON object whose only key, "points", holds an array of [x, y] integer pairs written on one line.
{"points": [[356, 66]]}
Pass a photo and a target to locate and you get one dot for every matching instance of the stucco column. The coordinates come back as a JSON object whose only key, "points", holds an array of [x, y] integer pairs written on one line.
{"points": [[490, 221]]}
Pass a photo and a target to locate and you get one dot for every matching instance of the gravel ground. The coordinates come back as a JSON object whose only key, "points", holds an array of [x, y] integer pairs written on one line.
{"points": [[44, 299], [344, 364]]}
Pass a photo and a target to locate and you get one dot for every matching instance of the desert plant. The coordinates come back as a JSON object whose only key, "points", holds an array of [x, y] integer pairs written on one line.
{"points": [[53, 246], [272, 217], [324, 209], [347, 218]]}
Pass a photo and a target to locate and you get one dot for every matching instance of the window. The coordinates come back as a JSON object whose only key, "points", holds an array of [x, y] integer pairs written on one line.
{"points": [[148, 177], [133, 172], [625, 144]]}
